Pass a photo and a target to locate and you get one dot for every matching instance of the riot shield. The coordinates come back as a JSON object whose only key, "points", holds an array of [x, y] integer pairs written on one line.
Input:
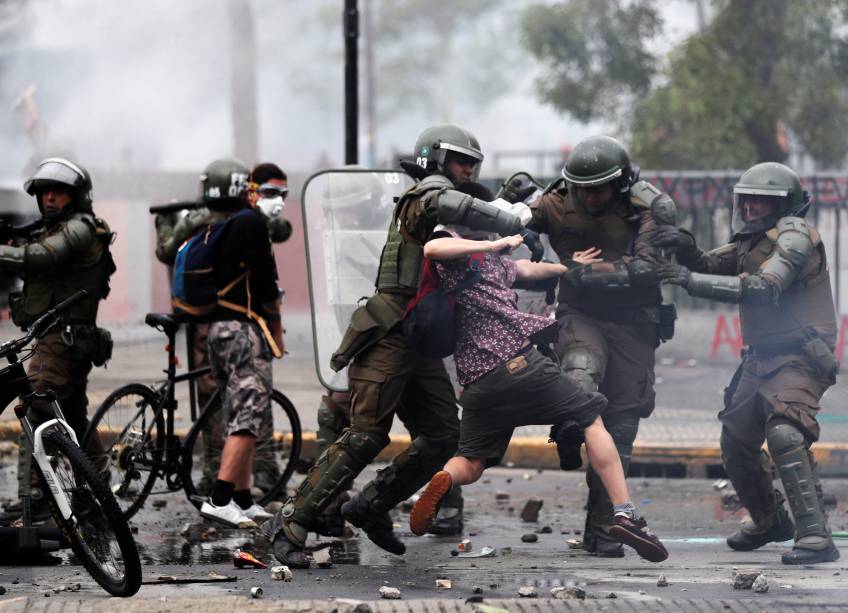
{"points": [[346, 215]]}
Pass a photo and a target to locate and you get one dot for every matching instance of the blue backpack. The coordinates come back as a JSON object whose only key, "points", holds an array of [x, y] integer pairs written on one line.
{"points": [[194, 290]]}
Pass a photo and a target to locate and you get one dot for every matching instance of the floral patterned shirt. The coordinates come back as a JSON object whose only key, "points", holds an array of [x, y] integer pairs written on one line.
{"points": [[490, 328]]}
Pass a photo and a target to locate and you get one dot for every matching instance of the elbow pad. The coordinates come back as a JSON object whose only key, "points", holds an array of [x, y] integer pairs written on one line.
{"points": [[756, 291], [721, 288], [457, 208], [618, 279]]}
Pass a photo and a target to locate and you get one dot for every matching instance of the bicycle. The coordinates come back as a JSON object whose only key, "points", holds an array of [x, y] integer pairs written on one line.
{"points": [[135, 424], [82, 505]]}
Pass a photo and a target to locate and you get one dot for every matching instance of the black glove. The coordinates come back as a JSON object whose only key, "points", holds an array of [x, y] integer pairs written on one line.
{"points": [[674, 274], [534, 243], [671, 237], [642, 273], [518, 189]]}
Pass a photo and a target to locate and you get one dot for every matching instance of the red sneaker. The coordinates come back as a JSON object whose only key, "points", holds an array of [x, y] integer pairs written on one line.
{"points": [[634, 532], [423, 514]]}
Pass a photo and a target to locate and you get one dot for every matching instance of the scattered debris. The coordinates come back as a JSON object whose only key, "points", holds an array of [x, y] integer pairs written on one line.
{"points": [[245, 559], [73, 587], [528, 477], [212, 577], [499, 495], [505, 551], [2, 590], [545, 530], [530, 513], [389, 593], [662, 581], [744, 580], [476, 589], [323, 557], [641, 592], [528, 591], [465, 545], [185, 531], [574, 544], [256, 592], [612, 595], [209, 532], [529, 538], [568, 593], [444, 584], [760, 585], [720, 484], [281, 573], [485, 552], [160, 503]]}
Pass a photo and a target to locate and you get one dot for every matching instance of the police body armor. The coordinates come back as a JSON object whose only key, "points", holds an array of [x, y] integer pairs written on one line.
{"points": [[614, 234], [89, 270], [400, 262], [806, 304]]}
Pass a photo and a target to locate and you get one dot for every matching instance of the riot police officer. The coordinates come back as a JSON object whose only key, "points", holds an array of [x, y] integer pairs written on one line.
{"points": [[775, 268], [610, 313], [386, 376], [67, 252]]}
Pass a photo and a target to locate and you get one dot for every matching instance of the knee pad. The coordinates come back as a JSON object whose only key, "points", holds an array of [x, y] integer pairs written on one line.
{"points": [[582, 367]]}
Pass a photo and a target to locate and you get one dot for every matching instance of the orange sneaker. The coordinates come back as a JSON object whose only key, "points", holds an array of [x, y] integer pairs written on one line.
{"points": [[424, 512]]}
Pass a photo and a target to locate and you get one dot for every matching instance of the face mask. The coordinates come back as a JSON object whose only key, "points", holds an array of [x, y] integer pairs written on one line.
{"points": [[271, 207]]}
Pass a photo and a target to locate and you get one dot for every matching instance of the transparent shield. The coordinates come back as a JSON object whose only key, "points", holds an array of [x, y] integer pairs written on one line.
{"points": [[346, 215]]}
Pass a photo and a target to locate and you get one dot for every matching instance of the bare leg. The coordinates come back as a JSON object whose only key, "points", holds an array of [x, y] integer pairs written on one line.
{"points": [[464, 470], [604, 459], [237, 460]]}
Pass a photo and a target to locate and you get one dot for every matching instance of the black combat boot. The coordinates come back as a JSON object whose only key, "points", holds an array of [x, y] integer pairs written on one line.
{"points": [[750, 538], [377, 526], [798, 555]]}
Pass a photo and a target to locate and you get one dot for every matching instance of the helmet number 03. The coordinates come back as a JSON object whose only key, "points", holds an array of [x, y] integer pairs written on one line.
{"points": [[421, 161]]}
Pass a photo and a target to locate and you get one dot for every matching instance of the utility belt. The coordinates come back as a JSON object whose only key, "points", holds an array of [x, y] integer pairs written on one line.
{"points": [[662, 315], [90, 342], [815, 349]]}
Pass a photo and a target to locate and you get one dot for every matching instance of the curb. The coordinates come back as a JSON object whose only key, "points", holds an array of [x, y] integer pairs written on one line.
{"points": [[535, 452]]}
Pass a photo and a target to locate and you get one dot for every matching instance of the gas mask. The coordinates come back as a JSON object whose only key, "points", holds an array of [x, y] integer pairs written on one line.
{"points": [[271, 207]]}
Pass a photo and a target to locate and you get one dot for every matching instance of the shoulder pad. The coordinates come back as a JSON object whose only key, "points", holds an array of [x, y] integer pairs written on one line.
{"points": [[428, 184], [80, 231], [642, 194]]}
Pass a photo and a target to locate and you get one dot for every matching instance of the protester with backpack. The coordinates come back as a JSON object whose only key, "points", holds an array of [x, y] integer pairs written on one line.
{"points": [[509, 383], [244, 332]]}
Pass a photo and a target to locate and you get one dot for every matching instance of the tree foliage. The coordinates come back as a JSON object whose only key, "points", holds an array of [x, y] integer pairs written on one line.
{"points": [[762, 77]]}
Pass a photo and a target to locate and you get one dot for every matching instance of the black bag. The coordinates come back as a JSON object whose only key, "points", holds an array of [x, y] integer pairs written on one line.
{"points": [[429, 322]]}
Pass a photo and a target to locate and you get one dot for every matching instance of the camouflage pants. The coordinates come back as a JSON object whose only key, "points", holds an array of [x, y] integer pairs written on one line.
{"points": [[241, 363]]}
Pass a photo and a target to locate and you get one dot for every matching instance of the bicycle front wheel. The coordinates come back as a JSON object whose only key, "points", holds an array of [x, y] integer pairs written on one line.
{"points": [[131, 433], [96, 528], [274, 459]]}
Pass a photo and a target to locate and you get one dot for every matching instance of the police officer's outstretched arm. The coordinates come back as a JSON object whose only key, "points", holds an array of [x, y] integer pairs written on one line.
{"points": [[56, 250]]}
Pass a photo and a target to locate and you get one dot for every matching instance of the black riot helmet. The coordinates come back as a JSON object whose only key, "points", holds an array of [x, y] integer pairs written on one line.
{"points": [[223, 183], [437, 145], [599, 175], [765, 193], [64, 173]]}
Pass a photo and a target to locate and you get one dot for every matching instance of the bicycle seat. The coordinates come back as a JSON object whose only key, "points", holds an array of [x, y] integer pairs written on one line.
{"points": [[167, 322]]}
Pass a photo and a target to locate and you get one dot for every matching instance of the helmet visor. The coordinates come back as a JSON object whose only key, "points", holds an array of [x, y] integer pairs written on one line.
{"points": [[55, 171], [757, 210], [593, 200]]}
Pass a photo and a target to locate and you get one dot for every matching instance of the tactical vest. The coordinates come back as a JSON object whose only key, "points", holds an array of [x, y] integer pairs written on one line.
{"points": [[89, 271], [614, 234], [400, 261], [807, 303]]}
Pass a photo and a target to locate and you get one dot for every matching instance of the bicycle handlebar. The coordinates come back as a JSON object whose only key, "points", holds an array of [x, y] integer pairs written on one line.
{"points": [[41, 325]]}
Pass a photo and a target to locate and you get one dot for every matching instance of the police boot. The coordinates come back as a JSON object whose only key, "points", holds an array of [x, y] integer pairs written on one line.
{"points": [[795, 465], [331, 474], [752, 536], [568, 437], [377, 525], [599, 511], [287, 540], [449, 519]]}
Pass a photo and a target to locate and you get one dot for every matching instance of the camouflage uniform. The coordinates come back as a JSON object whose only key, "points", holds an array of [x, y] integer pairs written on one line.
{"points": [[241, 364]]}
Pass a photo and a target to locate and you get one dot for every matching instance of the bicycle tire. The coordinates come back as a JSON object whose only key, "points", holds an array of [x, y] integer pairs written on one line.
{"points": [[284, 449], [93, 512], [123, 407]]}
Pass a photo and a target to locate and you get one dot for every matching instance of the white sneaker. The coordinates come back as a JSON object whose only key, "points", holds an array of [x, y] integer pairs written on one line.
{"points": [[256, 513], [230, 514]]}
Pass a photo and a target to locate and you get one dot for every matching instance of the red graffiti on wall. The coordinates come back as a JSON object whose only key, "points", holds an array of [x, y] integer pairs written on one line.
{"points": [[729, 332]]}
